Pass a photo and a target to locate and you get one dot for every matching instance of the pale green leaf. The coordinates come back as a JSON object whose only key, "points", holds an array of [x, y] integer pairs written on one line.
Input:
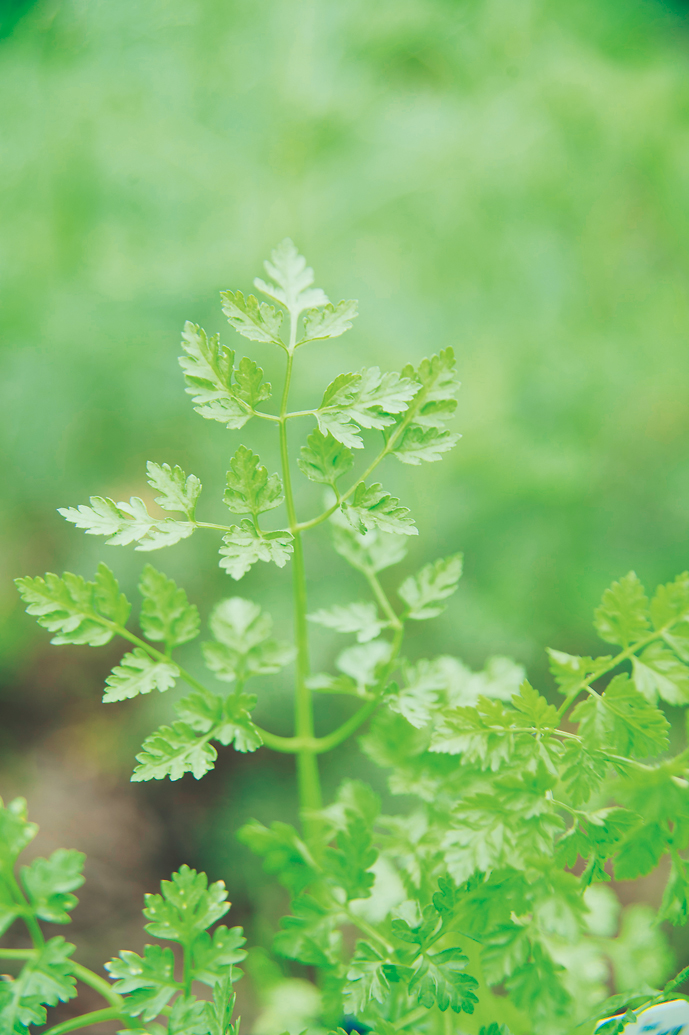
{"points": [[372, 552], [256, 320], [623, 616], [250, 489], [49, 882], [671, 602], [360, 618], [166, 614], [127, 523], [372, 507], [225, 719], [43, 981], [363, 663], [435, 582], [245, 647], [244, 546], [329, 322], [323, 459], [139, 673], [75, 610], [368, 399], [425, 437], [177, 491], [208, 367], [658, 672], [173, 751], [293, 280]]}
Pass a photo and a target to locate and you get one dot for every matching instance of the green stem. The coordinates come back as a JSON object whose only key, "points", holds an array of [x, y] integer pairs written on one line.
{"points": [[98, 984], [94, 1017], [411, 1018], [381, 597], [17, 954], [307, 764], [33, 927]]}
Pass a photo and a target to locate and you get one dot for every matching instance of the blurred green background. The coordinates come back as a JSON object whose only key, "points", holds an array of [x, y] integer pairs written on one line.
{"points": [[510, 177]]}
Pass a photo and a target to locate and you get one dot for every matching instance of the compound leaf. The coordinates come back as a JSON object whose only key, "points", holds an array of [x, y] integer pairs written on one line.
{"points": [[177, 491], [245, 545], [293, 280], [425, 438], [256, 320], [368, 399], [622, 720], [75, 610], [226, 719], [250, 489], [139, 673], [422, 593], [623, 616], [371, 552], [187, 906], [44, 981], [658, 672], [212, 955], [244, 646], [323, 459], [360, 618], [127, 523], [439, 979], [329, 322], [49, 883], [173, 751], [208, 367], [147, 981], [372, 507], [166, 614]]}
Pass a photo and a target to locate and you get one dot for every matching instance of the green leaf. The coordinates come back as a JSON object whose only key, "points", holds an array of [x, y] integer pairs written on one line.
{"points": [[418, 695], [48, 883], [127, 523], [372, 552], [535, 708], [250, 489], [425, 437], [283, 852], [177, 491], [366, 400], [173, 751], [187, 906], [208, 367], [329, 322], [245, 545], [348, 865], [583, 771], [249, 385], [422, 593], [213, 955], [363, 663], [323, 459], [623, 616], [218, 1014], [226, 719], [570, 671], [438, 979], [188, 1016], [537, 989], [16, 832], [372, 507], [622, 720], [10, 909], [360, 618], [293, 280], [310, 935], [671, 602], [166, 614], [147, 981], [256, 320], [75, 610], [366, 978], [44, 981], [658, 672], [138, 673], [244, 645]]}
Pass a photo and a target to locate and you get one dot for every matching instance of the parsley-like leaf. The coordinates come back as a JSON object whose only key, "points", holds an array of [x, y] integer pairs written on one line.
{"points": [[422, 593], [622, 720], [256, 320], [293, 280], [425, 437], [623, 616], [49, 883], [360, 618], [166, 614], [245, 545], [658, 672], [439, 979], [208, 368], [127, 523], [244, 646], [323, 459], [226, 719], [177, 491], [329, 322], [371, 507], [139, 673], [368, 399], [187, 906], [44, 981], [173, 751], [212, 955], [250, 489], [147, 981], [75, 610], [371, 552]]}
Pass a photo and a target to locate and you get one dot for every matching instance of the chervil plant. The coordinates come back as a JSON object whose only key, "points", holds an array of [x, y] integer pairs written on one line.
{"points": [[483, 908]]}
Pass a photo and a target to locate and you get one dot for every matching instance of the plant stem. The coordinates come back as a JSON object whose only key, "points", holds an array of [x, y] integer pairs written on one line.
{"points": [[98, 984], [94, 1017], [307, 764], [381, 597], [29, 919]]}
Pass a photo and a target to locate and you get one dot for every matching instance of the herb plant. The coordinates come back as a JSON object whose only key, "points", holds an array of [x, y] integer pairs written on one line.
{"points": [[481, 909]]}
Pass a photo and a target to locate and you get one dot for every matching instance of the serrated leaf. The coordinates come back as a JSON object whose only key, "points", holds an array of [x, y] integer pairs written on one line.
{"points": [[418, 694], [360, 618], [226, 719], [44, 981], [188, 1016], [212, 955], [535, 707], [218, 1013], [74, 609], [622, 720], [139, 673], [671, 602], [658, 672], [569, 670], [208, 367], [282, 850], [256, 320], [425, 438], [329, 322], [147, 981], [187, 906], [439, 980], [363, 663], [422, 593], [127, 523], [245, 545], [623, 616], [244, 644], [372, 507], [366, 978], [173, 751], [16, 831], [249, 385], [250, 489], [49, 882], [177, 491], [323, 459], [166, 614], [293, 280], [310, 935], [372, 552], [366, 400]]}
